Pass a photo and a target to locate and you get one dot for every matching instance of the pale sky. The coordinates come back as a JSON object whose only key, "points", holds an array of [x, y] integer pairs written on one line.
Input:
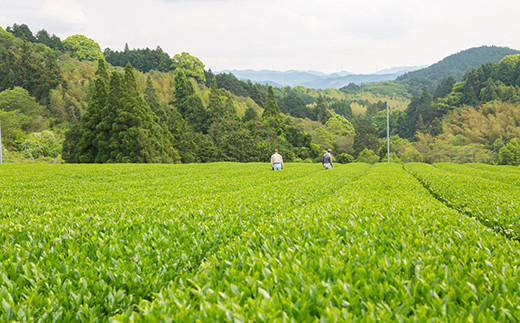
{"points": [[361, 36]]}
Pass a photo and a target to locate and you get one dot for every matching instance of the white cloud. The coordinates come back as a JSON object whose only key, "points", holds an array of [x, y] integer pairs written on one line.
{"points": [[67, 11]]}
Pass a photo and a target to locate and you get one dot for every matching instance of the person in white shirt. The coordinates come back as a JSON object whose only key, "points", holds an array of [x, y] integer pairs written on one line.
{"points": [[276, 161]]}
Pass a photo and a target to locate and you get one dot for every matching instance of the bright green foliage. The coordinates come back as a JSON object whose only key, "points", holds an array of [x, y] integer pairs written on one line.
{"points": [[504, 174], [345, 158], [222, 242], [411, 154], [340, 125], [495, 204], [510, 153], [190, 65], [19, 113], [83, 48], [367, 156]]}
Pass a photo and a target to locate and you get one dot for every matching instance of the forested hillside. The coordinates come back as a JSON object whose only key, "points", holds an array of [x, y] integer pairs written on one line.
{"points": [[70, 101], [455, 65], [102, 114]]}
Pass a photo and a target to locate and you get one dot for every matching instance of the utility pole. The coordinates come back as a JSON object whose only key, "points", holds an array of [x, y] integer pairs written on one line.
{"points": [[387, 132]]}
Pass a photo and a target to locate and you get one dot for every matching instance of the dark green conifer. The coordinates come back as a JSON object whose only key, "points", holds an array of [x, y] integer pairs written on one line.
{"points": [[271, 107], [216, 108], [183, 91], [150, 96], [102, 71], [322, 113], [136, 137], [109, 112], [88, 145]]}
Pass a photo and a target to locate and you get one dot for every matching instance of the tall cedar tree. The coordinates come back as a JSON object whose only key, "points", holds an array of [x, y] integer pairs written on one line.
{"points": [[109, 114], [183, 91], [150, 96], [196, 114], [322, 114], [88, 148], [182, 137], [216, 108], [189, 104], [271, 108], [136, 136], [419, 114], [229, 107]]}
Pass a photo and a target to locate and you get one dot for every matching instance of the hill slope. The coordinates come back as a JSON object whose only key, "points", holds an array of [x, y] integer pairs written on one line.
{"points": [[455, 65]]}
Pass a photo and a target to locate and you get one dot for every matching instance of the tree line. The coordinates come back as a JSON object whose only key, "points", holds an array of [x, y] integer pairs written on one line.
{"points": [[120, 125], [182, 112]]}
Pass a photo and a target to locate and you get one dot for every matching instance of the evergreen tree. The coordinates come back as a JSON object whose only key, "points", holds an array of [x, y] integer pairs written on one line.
{"points": [[28, 68], [137, 137], [88, 148], [322, 113], [470, 88], [216, 108], [342, 108], [250, 115], [294, 105], [444, 88], [102, 71], [150, 96], [109, 113], [419, 125], [489, 92], [229, 107], [182, 137], [257, 94], [412, 116], [50, 78], [183, 91], [70, 144], [427, 108], [436, 127], [365, 138], [42, 36], [271, 107], [21, 31], [196, 114]]}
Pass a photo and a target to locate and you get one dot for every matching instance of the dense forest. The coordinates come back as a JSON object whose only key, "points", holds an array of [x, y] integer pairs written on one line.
{"points": [[69, 101], [456, 66]]}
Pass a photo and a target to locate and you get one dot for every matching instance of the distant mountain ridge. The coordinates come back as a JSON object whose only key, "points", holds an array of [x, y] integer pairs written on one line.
{"points": [[317, 80], [417, 77]]}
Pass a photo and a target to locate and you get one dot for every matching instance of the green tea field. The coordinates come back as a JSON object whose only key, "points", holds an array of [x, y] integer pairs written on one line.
{"points": [[239, 242]]}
